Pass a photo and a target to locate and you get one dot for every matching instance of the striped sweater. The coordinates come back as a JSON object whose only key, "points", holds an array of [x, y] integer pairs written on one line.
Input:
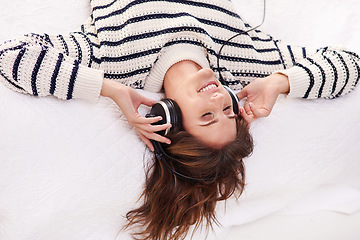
{"points": [[136, 41]]}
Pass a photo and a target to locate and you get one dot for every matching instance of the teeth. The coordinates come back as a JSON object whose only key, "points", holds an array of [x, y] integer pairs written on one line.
{"points": [[211, 86]]}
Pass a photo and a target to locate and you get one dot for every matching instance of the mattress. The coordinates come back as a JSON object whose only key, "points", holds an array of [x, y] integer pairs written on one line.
{"points": [[72, 170]]}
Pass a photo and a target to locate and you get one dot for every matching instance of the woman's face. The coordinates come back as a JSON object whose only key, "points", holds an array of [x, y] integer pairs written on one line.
{"points": [[206, 106]]}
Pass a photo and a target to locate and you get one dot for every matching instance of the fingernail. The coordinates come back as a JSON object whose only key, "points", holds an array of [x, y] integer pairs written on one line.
{"points": [[168, 142], [241, 110], [251, 104]]}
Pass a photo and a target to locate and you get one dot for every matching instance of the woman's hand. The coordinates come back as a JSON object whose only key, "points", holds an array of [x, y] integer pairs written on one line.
{"points": [[261, 95], [129, 101]]}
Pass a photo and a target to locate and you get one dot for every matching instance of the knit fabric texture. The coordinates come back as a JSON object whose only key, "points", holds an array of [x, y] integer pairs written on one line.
{"points": [[136, 41]]}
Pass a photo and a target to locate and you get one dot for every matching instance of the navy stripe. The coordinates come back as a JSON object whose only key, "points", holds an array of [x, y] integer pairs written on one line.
{"points": [[64, 44], [356, 64], [91, 34], [147, 69], [347, 74], [261, 39], [127, 75], [131, 56], [336, 76], [248, 46], [95, 45], [353, 54], [56, 73], [48, 40], [35, 72], [291, 54], [358, 72], [280, 54], [10, 82], [79, 51], [72, 80], [186, 2], [304, 52], [311, 76], [249, 74], [104, 6], [153, 34], [170, 16], [19, 47], [248, 60], [90, 48], [17, 63], [323, 76], [96, 60]]}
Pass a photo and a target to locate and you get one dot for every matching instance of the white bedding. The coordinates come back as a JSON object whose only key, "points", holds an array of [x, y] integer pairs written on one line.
{"points": [[71, 170]]}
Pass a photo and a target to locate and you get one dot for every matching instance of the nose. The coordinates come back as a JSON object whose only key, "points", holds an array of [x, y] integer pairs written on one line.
{"points": [[206, 73], [217, 99]]}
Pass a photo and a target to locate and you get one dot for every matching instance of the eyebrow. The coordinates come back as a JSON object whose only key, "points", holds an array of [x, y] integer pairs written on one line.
{"points": [[215, 121]]}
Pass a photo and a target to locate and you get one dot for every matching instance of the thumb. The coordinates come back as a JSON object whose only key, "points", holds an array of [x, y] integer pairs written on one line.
{"points": [[148, 101], [243, 93]]}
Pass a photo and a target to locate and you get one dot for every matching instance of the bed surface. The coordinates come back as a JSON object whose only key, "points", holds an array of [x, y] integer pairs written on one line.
{"points": [[71, 170]]}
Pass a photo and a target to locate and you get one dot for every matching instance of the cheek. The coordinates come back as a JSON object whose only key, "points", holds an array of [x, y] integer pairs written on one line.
{"points": [[189, 119]]}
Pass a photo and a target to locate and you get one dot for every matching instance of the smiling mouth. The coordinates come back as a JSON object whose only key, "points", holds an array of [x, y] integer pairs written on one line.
{"points": [[208, 87]]}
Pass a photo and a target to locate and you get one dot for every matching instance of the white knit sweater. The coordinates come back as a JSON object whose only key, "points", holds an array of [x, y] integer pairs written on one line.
{"points": [[136, 41]]}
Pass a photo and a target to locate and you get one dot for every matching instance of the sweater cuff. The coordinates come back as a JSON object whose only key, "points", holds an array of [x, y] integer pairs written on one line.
{"points": [[298, 79], [169, 57], [88, 84]]}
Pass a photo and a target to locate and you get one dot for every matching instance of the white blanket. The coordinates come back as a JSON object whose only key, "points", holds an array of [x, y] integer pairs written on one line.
{"points": [[71, 170]]}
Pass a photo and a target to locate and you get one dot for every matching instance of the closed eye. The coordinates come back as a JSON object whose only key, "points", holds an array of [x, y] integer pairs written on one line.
{"points": [[206, 114], [227, 110], [228, 107]]}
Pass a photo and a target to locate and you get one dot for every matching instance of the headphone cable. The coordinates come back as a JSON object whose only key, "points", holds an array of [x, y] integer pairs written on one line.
{"points": [[236, 35]]}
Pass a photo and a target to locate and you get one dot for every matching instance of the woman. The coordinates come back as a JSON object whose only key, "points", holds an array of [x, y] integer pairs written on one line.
{"points": [[174, 45]]}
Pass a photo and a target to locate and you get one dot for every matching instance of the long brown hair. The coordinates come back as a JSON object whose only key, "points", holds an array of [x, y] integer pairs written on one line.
{"points": [[171, 205]]}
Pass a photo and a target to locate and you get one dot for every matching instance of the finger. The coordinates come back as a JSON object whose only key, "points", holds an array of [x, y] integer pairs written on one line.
{"points": [[144, 120], [156, 137], [156, 128], [259, 112], [247, 108], [153, 128], [146, 141], [242, 94], [245, 116]]}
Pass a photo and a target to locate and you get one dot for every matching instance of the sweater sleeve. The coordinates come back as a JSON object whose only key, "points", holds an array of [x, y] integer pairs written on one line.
{"points": [[43, 65], [327, 72]]}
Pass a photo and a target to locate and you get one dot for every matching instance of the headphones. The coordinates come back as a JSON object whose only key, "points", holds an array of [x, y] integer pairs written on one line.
{"points": [[170, 112]]}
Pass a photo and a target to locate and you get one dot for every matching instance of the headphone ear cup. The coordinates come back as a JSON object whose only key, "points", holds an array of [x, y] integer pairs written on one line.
{"points": [[170, 112], [234, 98]]}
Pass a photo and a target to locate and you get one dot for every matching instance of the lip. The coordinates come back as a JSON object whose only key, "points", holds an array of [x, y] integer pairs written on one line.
{"points": [[209, 83]]}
